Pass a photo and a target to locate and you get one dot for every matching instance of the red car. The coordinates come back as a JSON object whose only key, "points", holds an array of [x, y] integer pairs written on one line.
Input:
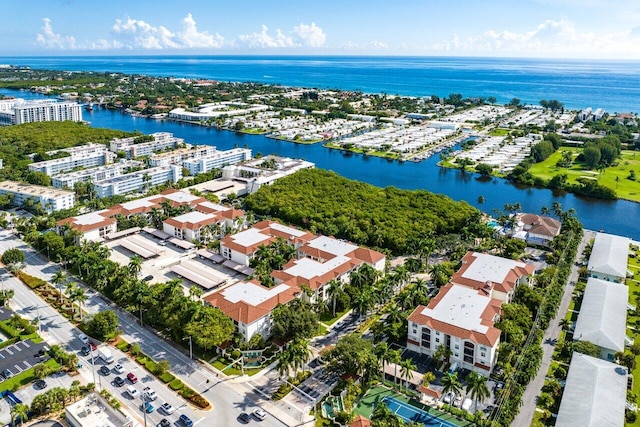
{"points": [[131, 377], [93, 346]]}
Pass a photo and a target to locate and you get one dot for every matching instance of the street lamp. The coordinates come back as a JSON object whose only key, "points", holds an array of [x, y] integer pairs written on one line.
{"points": [[144, 407], [190, 346], [93, 368]]}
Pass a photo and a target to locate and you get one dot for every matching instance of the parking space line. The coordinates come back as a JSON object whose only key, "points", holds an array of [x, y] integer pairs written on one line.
{"points": [[27, 364], [18, 368], [26, 344], [9, 351]]}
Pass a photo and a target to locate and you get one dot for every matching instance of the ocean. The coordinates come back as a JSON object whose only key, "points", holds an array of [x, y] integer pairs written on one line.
{"points": [[612, 85]]}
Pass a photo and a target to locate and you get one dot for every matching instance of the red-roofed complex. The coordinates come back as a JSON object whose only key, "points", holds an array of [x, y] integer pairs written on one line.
{"points": [[495, 276]]}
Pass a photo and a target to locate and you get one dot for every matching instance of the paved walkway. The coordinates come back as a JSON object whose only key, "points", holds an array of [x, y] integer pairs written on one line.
{"points": [[531, 393]]}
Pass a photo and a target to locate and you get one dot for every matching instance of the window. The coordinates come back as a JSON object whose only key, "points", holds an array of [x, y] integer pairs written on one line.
{"points": [[437, 339], [483, 354], [457, 347], [426, 338], [414, 331]]}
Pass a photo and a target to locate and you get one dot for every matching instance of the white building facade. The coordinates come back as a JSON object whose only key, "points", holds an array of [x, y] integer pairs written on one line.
{"points": [[217, 160], [50, 199], [83, 156], [138, 181]]}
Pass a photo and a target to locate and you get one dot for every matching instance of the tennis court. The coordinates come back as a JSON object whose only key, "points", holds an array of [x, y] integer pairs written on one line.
{"points": [[411, 413]]}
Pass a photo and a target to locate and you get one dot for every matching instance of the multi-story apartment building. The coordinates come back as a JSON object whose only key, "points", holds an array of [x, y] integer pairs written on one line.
{"points": [[181, 155], [264, 171], [217, 160], [99, 173], [137, 181], [136, 146], [50, 199], [18, 111], [83, 156]]}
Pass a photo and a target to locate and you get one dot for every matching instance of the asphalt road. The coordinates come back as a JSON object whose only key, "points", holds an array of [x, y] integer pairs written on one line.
{"points": [[227, 397]]}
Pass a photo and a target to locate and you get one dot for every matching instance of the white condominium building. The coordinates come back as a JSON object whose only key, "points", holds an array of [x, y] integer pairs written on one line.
{"points": [[99, 173], [181, 155], [217, 160], [138, 181], [161, 141], [83, 156], [50, 199], [46, 111]]}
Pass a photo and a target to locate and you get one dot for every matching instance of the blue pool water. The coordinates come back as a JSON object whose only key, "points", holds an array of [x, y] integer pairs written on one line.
{"points": [[412, 414]]}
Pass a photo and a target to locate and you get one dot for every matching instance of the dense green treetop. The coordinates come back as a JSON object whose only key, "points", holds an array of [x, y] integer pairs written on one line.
{"points": [[388, 218], [17, 142]]}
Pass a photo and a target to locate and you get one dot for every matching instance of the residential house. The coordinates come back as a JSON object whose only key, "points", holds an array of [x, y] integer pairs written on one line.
{"points": [[608, 260]]}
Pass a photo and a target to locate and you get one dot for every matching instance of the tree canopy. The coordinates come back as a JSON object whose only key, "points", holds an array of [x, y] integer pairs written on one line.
{"points": [[386, 218]]}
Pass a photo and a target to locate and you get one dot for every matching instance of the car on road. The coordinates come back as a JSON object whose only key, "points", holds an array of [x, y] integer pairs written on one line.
{"points": [[105, 370], [132, 391], [244, 417], [185, 421], [132, 377], [6, 374], [40, 384], [147, 407], [164, 423], [167, 408], [148, 278], [84, 338], [85, 351], [259, 413], [118, 381], [118, 369], [149, 394]]}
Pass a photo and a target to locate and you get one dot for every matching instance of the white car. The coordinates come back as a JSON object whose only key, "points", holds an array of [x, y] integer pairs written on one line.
{"points": [[259, 413], [133, 392], [118, 369], [149, 394], [84, 338], [167, 408]]}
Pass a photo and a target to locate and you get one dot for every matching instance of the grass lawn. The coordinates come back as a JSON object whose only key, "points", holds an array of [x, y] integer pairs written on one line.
{"points": [[624, 187], [368, 403], [632, 321], [233, 370], [25, 377], [322, 330], [329, 320], [499, 132]]}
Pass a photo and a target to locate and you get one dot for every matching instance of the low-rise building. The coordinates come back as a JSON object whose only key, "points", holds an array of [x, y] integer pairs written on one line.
{"points": [[51, 199], [608, 260], [195, 226], [216, 160], [595, 393], [462, 319], [83, 156], [496, 276], [93, 411], [603, 317], [137, 181], [181, 155], [93, 226], [99, 173], [137, 146], [537, 229], [264, 171], [249, 305]]}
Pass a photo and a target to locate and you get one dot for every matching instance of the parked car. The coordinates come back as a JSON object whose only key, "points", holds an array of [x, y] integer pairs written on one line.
{"points": [[147, 407], [118, 369], [132, 391], [92, 346], [164, 423], [167, 408], [84, 338], [149, 394], [118, 381], [185, 421], [40, 384], [104, 370], [244, 417], [6, 374], [132, 377], [259, 413], [147, 278], [85, 351]]}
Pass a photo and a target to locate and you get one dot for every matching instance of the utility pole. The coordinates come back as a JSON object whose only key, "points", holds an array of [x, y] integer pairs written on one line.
{"points": [[190, 346]]}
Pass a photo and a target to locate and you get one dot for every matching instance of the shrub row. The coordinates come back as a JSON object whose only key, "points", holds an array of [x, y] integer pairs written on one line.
{"points": [[30, 281]]}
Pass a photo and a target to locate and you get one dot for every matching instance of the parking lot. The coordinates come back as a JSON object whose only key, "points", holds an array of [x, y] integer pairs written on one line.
{"points": [[21, 356]]}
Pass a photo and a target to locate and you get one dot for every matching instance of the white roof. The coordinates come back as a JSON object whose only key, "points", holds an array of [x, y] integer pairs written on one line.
{"points": [[489, 268], [308, 268], [214, 206], [289, 230], [595, 394], [180, 197], [193, 217], [251, 293], [603, 315], [333, 246], [462, 307], [249, 237], [90, 218], [609, 255], [135, 204]]}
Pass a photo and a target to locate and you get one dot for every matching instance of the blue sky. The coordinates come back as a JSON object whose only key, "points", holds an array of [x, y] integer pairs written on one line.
{"points": [[594, 29]]}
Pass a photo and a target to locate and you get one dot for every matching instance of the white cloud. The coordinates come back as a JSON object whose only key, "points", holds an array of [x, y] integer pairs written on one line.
{"points": [[309, 35], [372, 45], [302, 35], [134, 33], [50, 40], [189, 37], [548, 39]]}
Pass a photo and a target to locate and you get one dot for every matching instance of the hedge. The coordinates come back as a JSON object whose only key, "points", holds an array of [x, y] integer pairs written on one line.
{"points": [[123, 346], [176, 384], [30, 281], [167, 377]]}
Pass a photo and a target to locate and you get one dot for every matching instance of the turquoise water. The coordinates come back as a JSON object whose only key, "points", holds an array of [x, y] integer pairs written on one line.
{"points": [[612, 85]]}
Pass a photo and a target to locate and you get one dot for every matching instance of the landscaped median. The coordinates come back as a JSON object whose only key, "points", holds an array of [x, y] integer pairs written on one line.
{"points": [[161, 371]]}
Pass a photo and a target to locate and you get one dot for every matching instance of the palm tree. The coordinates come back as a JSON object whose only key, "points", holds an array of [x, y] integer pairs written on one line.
{"points": [[70, 290], [284, 363], [477, 388], [80, 297], [406, 371], [395, 358], [334, 288], [300, 353], [59, 279], [19, 411], [450, 384], [134, 266], [195, 292]]}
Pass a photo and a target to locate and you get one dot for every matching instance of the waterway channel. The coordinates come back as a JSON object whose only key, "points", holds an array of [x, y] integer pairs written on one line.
{"points": [[617, 217]]}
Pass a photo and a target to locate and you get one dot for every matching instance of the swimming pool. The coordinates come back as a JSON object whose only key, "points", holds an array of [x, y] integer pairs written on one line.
{"points": [[412, 414]]}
